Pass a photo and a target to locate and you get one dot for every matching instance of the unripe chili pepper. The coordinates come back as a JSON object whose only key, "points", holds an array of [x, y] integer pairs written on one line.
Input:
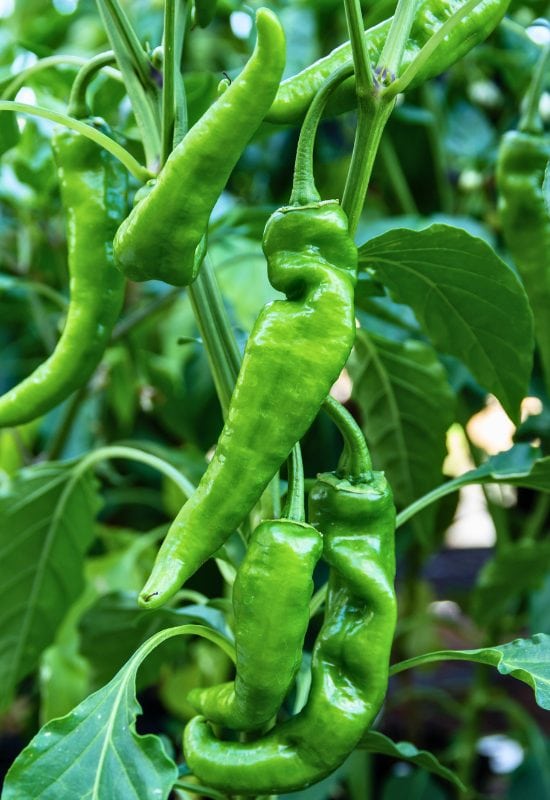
{"points": [[270, 599], [350, 658], [523, 160], [295, 352], [93, 191], [297, 92], [159, 238]]}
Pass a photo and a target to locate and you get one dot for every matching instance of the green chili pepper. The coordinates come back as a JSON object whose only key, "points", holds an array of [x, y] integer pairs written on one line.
{"points": [[297, 92], [93, 192], [523, 160], [295, 352], [270, 599], [271, 602], [350, 658], [159, 238]]}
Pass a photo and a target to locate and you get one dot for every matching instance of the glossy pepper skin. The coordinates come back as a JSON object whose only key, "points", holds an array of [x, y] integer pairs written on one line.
{"points": [[296, 93], [350, 658], [295, 352], [93, 192], [159, 238], [522, 162], [271, 598]]}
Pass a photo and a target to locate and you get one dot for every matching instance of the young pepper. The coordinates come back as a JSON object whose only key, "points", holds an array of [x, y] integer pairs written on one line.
{"points": [[297, 92], [350, 658], [93, 191], [295, 352], [159, 238], [271, 598]]}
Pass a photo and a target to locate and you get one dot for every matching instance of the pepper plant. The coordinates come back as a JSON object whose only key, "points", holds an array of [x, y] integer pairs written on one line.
{"points": [[229, 439]]}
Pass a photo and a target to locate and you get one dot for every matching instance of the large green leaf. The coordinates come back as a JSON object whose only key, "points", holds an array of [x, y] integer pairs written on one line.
{"points": [[46, 526], [516, 568], [406, 406], [95, 752], [376, 742], [528, 660], [464, 296]]}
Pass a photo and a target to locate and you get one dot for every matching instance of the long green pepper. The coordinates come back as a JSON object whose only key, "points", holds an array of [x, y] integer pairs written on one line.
{"points": [[295, 352], [159, 238], [271, 598], [350, 658], [296, 93], [93, 191]]}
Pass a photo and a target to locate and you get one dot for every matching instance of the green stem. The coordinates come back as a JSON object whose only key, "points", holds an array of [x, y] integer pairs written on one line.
{"points": [[427, 499], [355, 461], [44, 63], [133, 166], [364, 79], [395, 44], [137, 73], [439, 156], [536, 522], [531, 121], [220, 343], [168, 84], [396, 176], [304, 190], [133, 454], [371, 122], [294, 507], [429, 49], [78, 106]]}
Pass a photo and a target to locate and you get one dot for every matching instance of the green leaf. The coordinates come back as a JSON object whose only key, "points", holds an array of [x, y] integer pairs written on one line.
{"points": [[521, 465], [9, 132], [516, 568], [406, 406], [114, 627], [376, 742], [528, 660], [47, 516], [464, 297], [96, 748]]}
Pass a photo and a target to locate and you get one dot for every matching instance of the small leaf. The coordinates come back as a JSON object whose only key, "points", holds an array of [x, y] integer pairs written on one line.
{"points": [[47, 516], [528, 660], [464, 297], [521, 465], [96, 748], [406, 406], [376, 742], [516, 568]]}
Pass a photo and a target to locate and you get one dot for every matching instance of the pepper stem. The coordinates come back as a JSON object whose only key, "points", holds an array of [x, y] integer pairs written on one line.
{"points": [[294, 507], [304, 190], [78, 107], [355, 462], [530, 121]]}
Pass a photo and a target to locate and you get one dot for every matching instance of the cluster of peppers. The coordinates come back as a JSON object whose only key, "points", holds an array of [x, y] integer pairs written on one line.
{"points": [[298, 344]]}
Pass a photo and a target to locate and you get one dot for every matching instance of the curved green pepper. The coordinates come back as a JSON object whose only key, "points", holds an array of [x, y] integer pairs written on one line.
{"points": [[271, 602], [295, 352], [350, 658], [159, 238], [93, 192], [296, 93]]}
